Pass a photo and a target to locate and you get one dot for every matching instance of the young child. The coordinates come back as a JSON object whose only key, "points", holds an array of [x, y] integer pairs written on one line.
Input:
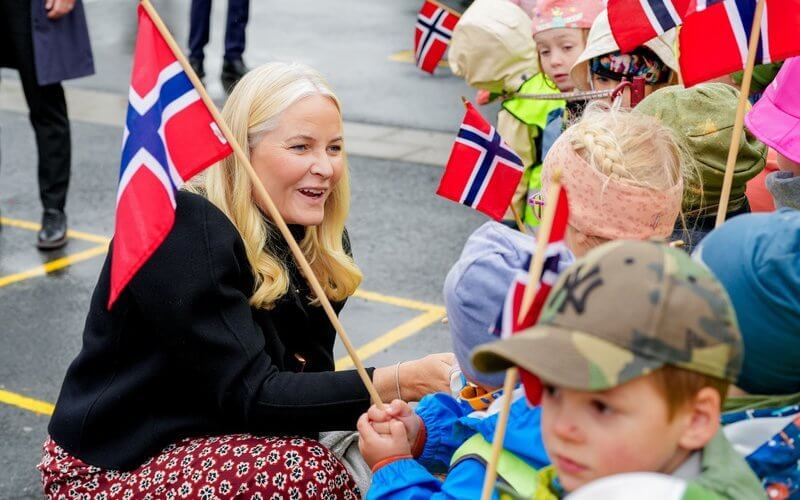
{"points": [[775, 120], [623, 175], [702, 117], [492, 48], [601, 66], [636, 347], [756, 257], [560, 30]]}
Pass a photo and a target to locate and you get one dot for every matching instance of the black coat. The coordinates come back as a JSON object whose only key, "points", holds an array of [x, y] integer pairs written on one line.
{"points": [[182, 353]]}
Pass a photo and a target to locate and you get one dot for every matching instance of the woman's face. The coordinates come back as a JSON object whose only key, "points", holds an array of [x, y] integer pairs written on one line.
{"points": [[301, 160]]}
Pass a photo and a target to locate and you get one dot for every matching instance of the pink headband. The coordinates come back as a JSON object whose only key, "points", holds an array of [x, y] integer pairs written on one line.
{"points": [[604, 207]]}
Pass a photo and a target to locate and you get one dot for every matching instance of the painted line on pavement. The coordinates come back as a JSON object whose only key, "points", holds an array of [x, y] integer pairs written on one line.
{"points": [[53, 265], [407, 56], [26, 403], [33, 226]]}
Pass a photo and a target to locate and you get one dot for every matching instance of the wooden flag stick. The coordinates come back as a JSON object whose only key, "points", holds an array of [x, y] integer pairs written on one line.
{"points": [[265, 201], [537, 264], [727, 181], [445, 7], [517, 219], [542, 236]]}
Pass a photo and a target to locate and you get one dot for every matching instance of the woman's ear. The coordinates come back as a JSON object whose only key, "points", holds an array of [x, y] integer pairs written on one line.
{"points": [[703, 419]]}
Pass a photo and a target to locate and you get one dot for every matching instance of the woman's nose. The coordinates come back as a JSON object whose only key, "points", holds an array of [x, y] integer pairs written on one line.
{"points": [[322, 165]]}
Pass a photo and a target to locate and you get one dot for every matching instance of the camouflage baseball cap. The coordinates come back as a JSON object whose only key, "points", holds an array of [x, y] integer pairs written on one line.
{"points": [[624, 310]]}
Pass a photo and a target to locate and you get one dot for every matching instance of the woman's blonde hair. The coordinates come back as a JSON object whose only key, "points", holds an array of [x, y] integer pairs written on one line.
{"points": [[632, 148], [254, 108]]}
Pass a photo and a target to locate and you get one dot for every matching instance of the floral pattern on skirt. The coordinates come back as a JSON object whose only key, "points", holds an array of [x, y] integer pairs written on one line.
{"points": [[229, 466]]}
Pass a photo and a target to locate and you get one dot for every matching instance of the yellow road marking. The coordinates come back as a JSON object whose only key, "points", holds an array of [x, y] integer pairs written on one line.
{"points": [[26, 403], [395, 301], [32, 226], [53, 265], [407, 56], [393, 336]]}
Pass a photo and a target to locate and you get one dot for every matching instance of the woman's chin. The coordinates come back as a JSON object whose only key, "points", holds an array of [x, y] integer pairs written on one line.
{"points": [[306, 218]]}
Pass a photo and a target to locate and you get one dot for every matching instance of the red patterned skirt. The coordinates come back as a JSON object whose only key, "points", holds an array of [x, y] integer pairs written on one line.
{"points": [[230, 466]]}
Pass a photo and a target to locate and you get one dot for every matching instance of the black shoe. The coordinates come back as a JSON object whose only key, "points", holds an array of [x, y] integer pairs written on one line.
{"points": [[232, 71], [53, 234], [197, 66]]}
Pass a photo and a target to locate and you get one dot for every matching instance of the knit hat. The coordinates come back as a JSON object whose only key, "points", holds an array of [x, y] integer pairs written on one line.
{"points": [[476, 287], [775, 118], [492, 46], [756, 257], [551, 14], [601, 42], [703, 116], [624, 310]]}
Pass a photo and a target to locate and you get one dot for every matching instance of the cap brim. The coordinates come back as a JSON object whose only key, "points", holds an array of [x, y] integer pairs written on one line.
{"points": [[775, 127], [566, 358]]}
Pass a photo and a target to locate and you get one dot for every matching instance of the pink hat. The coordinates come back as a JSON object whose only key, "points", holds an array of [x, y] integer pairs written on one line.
{"points": [[775, 118], [550, 14]]}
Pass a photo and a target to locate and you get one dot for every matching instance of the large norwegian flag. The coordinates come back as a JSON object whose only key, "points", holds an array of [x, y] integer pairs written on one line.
{"points": [[432, 34], [634, 22], [483, 171], [169, 137], [507, 324], [714, 40]]}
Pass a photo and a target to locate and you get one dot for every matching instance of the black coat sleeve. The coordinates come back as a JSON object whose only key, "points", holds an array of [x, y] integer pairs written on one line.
{"points": [[196, 289]]}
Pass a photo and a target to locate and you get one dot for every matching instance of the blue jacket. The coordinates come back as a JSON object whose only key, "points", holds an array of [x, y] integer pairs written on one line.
{"points": [[449, 423]]}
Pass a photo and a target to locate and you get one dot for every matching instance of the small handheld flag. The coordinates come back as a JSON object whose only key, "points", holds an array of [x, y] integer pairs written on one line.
{"points": [[432, 34], [483, 171], [507, 323], [169, 137], [634, 22]]}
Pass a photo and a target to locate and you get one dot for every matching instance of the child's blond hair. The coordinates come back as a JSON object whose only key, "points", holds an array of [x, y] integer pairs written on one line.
{"points": [[629, 148]]}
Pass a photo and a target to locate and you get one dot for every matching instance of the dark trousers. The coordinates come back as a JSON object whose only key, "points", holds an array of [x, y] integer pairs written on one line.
{"points": [[48, 109], [199, 27]]}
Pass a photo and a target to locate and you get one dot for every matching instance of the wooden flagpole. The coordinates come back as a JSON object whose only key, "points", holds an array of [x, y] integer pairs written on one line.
{"points": [[265, 200], [445, 7], [727, 181], [535, 270]]}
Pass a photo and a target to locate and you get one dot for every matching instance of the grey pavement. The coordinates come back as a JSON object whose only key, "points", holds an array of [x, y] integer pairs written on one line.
{"points": [[399, 124]]}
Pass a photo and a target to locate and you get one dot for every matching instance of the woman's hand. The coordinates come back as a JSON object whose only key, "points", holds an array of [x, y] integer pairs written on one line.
{"points": [[376, 447], [424, 376]]}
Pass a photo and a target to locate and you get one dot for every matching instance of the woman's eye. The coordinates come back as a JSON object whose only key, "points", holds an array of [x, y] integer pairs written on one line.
{"points": [[336, 148], [299, 147]]}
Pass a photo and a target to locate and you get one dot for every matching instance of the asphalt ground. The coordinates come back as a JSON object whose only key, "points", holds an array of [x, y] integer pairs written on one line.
{"points": [[404, 237]]}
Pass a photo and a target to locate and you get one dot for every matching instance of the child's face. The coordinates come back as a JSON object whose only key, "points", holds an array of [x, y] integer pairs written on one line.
{"points": [[589, 435], [559, 48]]}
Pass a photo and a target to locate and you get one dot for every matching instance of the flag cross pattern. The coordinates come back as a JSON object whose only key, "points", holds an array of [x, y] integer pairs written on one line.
{"points": [[492, 150], [144, 143], [432, 29], [662, 14]]}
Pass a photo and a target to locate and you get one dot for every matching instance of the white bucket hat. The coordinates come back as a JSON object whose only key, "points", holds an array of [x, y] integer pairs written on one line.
{"points": [[601, 41]]}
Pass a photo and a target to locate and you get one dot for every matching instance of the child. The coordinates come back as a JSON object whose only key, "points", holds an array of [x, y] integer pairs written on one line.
{"points": [[636, 347], [492, 48], [775, 119], [702, 117], [756, 257], [560, 29], [627, 168], [601, 66]]}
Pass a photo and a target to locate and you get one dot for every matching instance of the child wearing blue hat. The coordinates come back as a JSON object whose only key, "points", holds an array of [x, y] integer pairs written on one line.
{"points": [[756, 257], [454, 434]]}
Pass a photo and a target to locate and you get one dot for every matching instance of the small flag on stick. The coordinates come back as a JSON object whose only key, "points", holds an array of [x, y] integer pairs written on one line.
{"points": [[483, 172], [432, 34]]}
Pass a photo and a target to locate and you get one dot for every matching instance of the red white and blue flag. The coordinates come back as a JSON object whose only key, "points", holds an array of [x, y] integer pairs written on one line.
{"points": [[169, 137], [555, 259], [483, 171], [432, 34], [634, 22], [714, 40]]}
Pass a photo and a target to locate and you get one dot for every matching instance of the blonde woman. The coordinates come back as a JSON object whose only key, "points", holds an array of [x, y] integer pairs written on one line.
{"points": [[217, 340]]}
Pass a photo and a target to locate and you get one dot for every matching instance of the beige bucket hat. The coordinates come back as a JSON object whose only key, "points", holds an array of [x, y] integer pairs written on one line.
{"points": [[492, 46], [601, 41]]}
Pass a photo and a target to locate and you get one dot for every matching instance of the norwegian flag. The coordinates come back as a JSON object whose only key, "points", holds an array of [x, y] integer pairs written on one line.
{"points": [[432, 34], [169, 137], [722, 29], [483, 171], [634, 22], [555, 256]]}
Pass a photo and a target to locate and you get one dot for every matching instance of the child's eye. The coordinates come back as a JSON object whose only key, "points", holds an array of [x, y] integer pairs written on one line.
{"points": [[544, 52], [550, 390], [601, 407]]}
